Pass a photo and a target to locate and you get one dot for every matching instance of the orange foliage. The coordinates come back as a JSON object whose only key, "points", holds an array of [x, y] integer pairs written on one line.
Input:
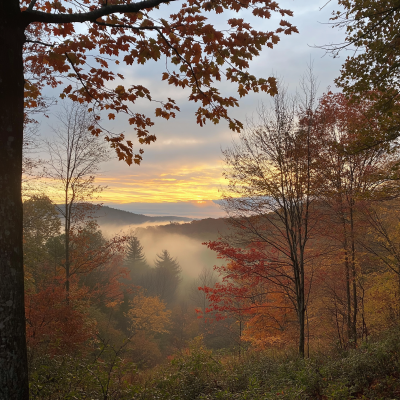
{"points": [[53, 325], [198, 54], [256, 291], [149, 314], [57, 324], [98, 264]]}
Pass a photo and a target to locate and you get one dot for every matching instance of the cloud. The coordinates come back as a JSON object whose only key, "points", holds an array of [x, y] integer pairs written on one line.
{"points": [[185, 163], [163, 184]]}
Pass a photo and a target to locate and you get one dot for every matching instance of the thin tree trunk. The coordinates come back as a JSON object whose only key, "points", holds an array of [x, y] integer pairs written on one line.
{"points": [[13, 357], [67, 260], [302, 331], [347, 272], [308, 335], [337, 322], [354, 275], [301, 311], [364, 324], [398, 293]]}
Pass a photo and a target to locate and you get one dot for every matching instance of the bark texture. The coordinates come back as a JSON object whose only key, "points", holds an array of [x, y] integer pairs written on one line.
{"points": [[13, 360]]}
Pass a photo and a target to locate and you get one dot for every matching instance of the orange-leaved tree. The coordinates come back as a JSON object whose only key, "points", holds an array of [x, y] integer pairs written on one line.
{"points": [[270, 196], [259, 290], [148, 314], [352, 173], [77, 44], [97, 262], [53, 325]]}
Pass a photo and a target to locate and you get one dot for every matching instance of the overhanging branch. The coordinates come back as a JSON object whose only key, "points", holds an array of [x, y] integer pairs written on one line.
{"points": [[30, 7], [125, 26], [39, 42], [159, 30], [30, 15], [80, 78]]}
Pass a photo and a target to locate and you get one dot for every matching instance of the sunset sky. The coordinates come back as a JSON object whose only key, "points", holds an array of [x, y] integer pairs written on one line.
{"points": [[181, 173]]}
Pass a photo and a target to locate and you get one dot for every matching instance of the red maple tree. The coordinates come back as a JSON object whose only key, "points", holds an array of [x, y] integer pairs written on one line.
{"points": [[257, 286], [53, 325]]}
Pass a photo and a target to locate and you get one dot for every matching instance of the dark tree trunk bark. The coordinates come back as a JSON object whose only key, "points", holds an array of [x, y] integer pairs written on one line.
{"points": [[302, 320], [13, 359], [67, 227], [348, 295], [353, 274], [348, 290], [398, 291]]}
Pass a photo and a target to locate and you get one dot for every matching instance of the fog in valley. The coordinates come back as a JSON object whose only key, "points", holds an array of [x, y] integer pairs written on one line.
{"points": [[191, 253]]}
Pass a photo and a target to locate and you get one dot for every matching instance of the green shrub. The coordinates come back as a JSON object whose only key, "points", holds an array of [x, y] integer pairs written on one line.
{"points": [[67, 377], [370, 372]]}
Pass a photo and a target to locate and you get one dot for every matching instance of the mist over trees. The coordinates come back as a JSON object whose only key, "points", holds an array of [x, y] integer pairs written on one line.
{"points": [[301, 298], [308, 259], [307, 256], [135, 260]]}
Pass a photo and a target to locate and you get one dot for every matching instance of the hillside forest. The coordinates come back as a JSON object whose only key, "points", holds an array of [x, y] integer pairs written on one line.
{"points": [[301, 299]]}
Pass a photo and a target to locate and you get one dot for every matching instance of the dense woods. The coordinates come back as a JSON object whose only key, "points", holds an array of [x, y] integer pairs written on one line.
{"points": [[303, 299], [308, 266]]}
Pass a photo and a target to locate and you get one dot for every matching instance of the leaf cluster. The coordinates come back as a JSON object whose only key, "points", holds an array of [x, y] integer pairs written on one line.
{"points": [[82, 42]]}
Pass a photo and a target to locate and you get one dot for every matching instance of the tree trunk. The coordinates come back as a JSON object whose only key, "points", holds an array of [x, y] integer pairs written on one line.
{"points": [[13, 358], [348, 296], [302, 319], [354, 275], [67, 228], [301, 306], [398, 291], [347, 272]]}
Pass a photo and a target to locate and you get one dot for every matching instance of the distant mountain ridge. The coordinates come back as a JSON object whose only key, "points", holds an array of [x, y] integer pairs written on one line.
{"points": [[108, 215], [202, 230], [161, 226], [111, 216]]}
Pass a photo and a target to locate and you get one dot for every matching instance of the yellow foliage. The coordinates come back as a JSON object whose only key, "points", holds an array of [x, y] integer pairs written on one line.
{"points": [[380, 303], [149, 314]]}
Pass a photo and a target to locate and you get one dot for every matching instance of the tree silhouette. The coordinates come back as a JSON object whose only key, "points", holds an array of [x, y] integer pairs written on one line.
{"points": [[165, 277], [135, 260], [74, 160]]}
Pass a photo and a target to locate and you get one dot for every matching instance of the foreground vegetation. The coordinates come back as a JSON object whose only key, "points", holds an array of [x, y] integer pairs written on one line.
{"points": [[370, 372]]}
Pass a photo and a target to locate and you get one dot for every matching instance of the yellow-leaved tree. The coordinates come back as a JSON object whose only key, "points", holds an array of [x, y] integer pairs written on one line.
{"points": [[148, 314]]}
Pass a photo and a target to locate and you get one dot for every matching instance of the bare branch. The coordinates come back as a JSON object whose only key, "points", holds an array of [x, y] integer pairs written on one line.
{"points": [[39, 42], [80, 79], [30, 7]]}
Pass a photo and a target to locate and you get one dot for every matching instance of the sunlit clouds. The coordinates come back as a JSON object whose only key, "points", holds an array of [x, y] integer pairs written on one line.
{"points": [[188, 183], [181, 173]]}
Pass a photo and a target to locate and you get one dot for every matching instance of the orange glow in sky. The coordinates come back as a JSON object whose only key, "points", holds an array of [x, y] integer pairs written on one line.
{"points": [[194, 183]]}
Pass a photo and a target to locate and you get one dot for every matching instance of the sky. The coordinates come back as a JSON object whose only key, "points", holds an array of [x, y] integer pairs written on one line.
{"points": [[181, 173]]}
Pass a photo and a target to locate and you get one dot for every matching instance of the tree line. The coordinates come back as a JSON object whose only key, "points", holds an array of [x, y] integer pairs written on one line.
{"points": [[314, 254]]}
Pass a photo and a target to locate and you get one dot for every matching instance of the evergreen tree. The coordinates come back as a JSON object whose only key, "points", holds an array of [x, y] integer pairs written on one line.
{"points": [[135, 262], [135, 259], [166, 277]]}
